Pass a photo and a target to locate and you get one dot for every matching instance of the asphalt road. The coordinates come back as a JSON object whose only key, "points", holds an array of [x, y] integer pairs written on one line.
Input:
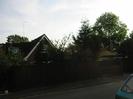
{"points": [[104, 91]]}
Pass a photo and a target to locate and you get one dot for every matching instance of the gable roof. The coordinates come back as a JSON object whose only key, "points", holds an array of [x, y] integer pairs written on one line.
{"points": [[36, 43]]}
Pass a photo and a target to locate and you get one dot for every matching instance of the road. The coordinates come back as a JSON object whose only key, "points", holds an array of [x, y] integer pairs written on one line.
{"points": [[104, 91]]}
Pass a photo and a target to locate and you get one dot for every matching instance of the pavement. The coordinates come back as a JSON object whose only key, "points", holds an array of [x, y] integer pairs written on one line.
{"points": [[66, 88], [103, 91]]}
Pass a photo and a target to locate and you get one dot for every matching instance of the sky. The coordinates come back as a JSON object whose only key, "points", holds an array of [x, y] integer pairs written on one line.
{"points": [[56, 18]]}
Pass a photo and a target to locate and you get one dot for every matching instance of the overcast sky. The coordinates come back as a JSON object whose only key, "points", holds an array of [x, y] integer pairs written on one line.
{"points": [[56, 18]]}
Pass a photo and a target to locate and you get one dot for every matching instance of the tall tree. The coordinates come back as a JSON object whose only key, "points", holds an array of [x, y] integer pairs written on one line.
{"points": [[110, 29], [86, 40], [16, 39], [81, 41]]}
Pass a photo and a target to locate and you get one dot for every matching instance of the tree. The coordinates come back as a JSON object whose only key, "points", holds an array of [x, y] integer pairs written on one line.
{"points": [[81, 41], [126, 51], [16, 39], [61, 47], [63, 43], [110, 29], [86, 40], [86, 37], [131, 35]]}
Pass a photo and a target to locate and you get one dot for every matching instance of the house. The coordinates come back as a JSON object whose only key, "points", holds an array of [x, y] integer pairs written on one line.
{"points": [[38, 50]]}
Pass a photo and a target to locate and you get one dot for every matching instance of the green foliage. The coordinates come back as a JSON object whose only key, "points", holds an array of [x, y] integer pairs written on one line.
{"points": [[15, 59], [10, 59], [16, 39], [87, 39], [110, 29], [61, 48], [63, 43], [81, 41], [131, 35], [87, 43], [126, 48], [3, 59], [126, 51]]}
